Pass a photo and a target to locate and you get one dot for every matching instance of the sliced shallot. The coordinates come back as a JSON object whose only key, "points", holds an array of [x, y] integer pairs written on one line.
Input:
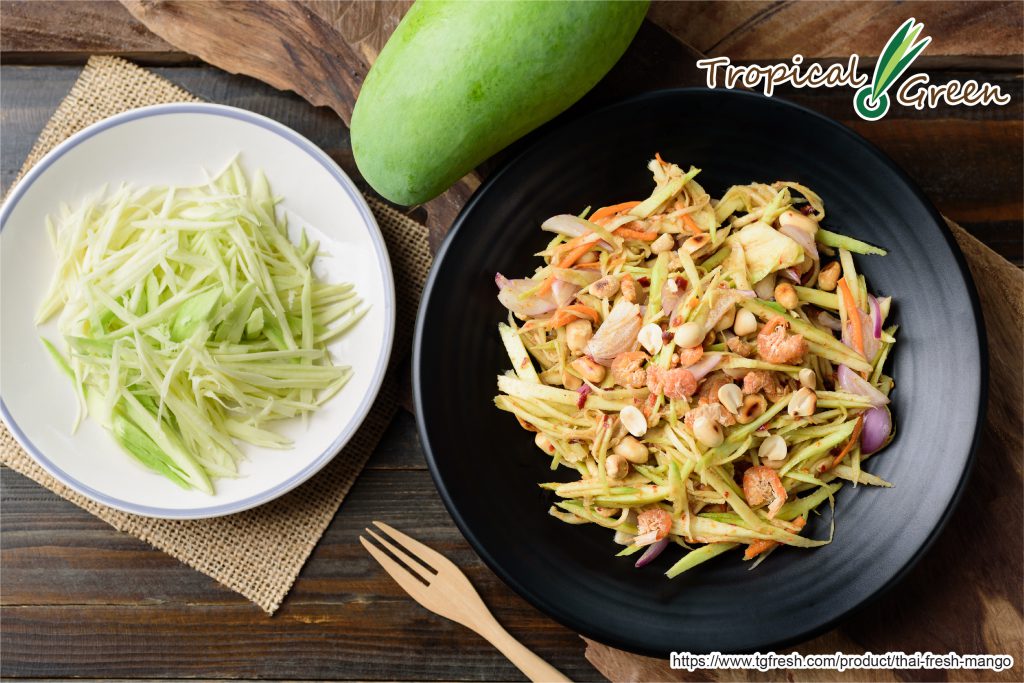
{"points": [[801, 237], [617, 334], [705, 365], [853, 383], [651, 553], [510, 294]]}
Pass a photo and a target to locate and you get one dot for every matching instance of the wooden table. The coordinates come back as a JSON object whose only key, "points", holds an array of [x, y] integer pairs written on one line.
{"points": [[79, 599]]}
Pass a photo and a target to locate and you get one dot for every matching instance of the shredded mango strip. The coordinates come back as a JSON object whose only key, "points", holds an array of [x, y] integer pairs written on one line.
{"points": [[190, 321]]}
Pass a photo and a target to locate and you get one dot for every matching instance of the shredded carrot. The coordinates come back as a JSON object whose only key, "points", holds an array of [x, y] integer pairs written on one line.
{"points": [[594, 265], [545, 286], [575, 254], [568, 245], [572, 257], [691, 224], [762, 545], [585, 310], [849, 444], [567, 314], [854, 315], [630, 233], [575, 241], [607, 211], [560, 319], [657, 155]]}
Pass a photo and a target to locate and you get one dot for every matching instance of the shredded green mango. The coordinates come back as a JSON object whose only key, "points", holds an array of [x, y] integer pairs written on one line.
{"points": [[189, 321], [642, 422]]}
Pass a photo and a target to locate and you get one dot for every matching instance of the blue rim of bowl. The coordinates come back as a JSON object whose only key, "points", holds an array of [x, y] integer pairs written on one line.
{"points": [[383, 262], [554, 611]]}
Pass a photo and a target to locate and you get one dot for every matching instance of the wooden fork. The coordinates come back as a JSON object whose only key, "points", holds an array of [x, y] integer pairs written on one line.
{"points": [[449, 593]]}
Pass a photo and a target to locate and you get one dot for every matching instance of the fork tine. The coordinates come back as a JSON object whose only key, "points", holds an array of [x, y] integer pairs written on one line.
{"points": [[402, 577], [453, 597], [410, 562], [431, 556]]}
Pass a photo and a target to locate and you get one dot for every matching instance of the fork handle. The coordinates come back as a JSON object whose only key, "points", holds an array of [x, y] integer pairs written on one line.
{"points": [[535, 668]]}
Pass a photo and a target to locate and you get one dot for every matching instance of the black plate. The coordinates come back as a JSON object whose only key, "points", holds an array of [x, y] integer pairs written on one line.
{"points": [[487, 467]]}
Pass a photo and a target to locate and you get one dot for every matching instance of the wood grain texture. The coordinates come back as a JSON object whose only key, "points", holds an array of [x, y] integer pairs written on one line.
{"points": [[149, 616], [366, 26], [745, 30], [285, 44], [750, 31], [320, 49], [67, 30]]}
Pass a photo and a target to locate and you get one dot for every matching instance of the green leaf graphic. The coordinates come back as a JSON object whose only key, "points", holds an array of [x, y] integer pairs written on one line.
{"points": [[888, 55], [911, 56], [898, 55]]}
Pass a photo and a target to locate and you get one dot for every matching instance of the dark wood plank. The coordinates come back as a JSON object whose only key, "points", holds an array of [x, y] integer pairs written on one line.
{"points": [[291, 45], [68, 31], [194, 642], [73, 565], [31, 94], [761, 30], [400, 449], [27, 101], [116, 608]]}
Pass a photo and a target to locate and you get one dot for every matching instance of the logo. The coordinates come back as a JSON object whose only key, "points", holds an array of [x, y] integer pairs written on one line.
{"points": [[871, 100]]}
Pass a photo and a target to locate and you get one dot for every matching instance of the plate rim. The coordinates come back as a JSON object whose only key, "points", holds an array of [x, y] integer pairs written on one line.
{"points": [[554, 611], [383, 261]]}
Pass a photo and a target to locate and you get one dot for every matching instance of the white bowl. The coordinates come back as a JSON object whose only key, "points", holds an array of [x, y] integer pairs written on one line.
{"points": [[171, 145]]}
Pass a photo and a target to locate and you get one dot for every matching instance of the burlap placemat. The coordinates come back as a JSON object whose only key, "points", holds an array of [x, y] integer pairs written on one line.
{"points": [[258, 553]]}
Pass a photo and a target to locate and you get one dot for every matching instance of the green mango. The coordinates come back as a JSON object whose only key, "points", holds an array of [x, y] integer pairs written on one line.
{"points": [[194, 312], [458, 81], [144, 449]]}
